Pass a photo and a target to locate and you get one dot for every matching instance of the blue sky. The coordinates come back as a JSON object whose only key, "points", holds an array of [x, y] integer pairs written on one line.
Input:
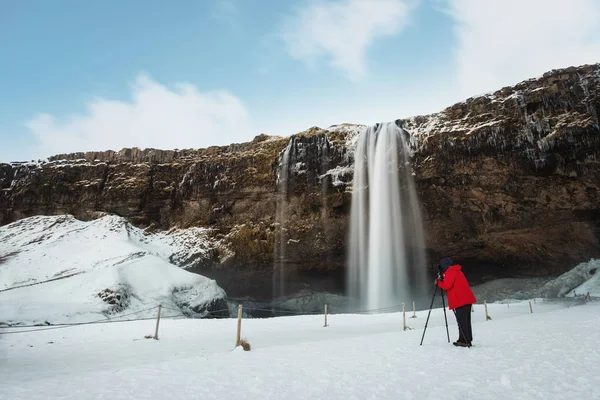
{"points": [[82, 75]]}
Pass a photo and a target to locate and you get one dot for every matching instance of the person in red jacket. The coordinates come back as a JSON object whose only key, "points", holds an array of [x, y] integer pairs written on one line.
{"points": [[460, 298]]}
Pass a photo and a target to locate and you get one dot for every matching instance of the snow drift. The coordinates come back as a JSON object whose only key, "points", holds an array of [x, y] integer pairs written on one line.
{"points": [[578, 281], [59, 269]]}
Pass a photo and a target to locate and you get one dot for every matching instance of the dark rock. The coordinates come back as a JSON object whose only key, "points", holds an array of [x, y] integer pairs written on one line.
{"points": [[184, 298], [119, 299], [6, 175]]}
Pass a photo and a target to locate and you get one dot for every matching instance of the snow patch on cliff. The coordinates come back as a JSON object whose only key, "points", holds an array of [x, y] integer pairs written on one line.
{"points": [[339, 173], [351, 131], [456, 129]]}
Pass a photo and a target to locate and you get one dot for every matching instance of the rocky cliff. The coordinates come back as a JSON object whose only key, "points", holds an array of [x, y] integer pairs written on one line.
{"points": [[508, 182]]}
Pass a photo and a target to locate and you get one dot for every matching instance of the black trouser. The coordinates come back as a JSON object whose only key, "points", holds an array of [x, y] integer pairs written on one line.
{"points": [[463, 318]]}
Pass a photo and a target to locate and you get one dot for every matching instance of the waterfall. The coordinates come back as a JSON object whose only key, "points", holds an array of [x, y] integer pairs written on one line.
{"points": [[324, 158], [281, 217], [386, 244]]}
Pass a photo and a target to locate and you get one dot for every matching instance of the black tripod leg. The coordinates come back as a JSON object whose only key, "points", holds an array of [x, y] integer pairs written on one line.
{"points": [[428, 314], [445, 318]]}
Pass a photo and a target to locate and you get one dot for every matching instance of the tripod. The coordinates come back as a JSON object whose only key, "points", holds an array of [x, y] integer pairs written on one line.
{"points": [[430, 307]]}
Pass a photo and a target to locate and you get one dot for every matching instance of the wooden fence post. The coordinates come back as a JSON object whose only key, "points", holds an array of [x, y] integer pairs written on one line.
{"points": [[157, 322], [487, 316], [530, 308], [239, 326], [403, 317], [325, 326], [414, 311]]}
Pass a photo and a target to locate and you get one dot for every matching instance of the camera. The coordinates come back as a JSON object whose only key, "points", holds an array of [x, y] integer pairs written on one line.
{"points": [[440, 275]]}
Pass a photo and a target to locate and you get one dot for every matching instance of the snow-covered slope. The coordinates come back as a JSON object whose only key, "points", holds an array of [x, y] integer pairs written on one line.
{"points": [[580, 280], [59, 269]]}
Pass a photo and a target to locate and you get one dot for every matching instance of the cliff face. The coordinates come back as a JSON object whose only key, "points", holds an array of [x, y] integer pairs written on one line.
{"points": [[512, 177], [508, 183]]}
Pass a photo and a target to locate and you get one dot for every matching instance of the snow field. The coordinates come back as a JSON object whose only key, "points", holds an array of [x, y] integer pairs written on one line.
{"points": [[46, 247], [106, 253], [550, 354]]}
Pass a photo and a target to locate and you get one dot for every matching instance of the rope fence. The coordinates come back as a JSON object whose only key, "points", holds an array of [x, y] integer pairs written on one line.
{"points": [[41, 282], [32, 328], [16, 329]]}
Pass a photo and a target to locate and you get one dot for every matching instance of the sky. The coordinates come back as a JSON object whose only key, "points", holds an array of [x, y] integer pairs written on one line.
{"points": [[93, 76]]}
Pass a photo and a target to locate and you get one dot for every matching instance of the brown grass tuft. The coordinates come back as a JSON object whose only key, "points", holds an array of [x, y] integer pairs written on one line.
{"points": [[245, 345]]}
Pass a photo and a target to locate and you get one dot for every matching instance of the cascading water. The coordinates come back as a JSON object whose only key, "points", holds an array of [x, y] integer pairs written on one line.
{"points": [[386, 244], [279, 272], [324, 158]]}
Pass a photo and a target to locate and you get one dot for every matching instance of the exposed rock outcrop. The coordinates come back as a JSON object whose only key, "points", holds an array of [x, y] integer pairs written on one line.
{"points": [[508, 181], [512, 177]]}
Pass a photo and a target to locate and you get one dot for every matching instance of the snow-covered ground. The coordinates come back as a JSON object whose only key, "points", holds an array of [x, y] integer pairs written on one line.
{"points": [[550, 354], [52, 269]]}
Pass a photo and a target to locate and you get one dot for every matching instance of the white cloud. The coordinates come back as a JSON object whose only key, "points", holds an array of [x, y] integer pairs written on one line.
{"points": [[502, 42], [343, 30], [156, 116]]}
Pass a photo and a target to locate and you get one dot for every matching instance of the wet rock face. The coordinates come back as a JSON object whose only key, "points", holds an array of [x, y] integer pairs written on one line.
{"points": [[6, 175], [508, 184], [547, 125], [512, 177]]}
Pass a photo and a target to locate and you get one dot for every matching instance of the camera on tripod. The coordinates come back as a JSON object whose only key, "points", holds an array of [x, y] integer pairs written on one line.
{"points": [[440, 275]]}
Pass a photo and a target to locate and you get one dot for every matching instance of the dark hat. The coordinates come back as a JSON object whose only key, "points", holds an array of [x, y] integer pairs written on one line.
{"points": [[446, 263]]}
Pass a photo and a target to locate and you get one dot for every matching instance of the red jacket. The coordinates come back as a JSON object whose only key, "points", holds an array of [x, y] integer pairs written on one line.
{"points": [[458, 289]]}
